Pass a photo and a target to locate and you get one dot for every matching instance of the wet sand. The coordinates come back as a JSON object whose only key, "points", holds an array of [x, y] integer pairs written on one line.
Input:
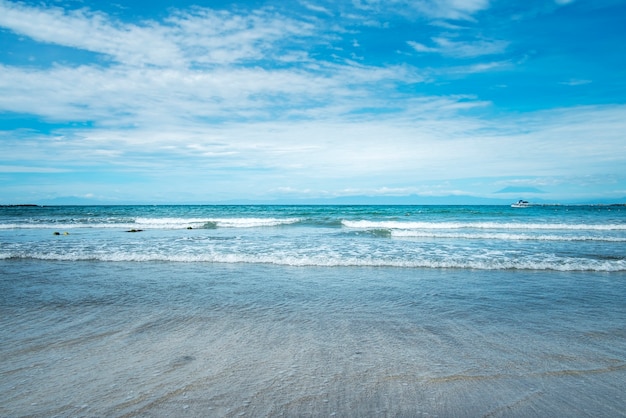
{"points": [[167, 339]]}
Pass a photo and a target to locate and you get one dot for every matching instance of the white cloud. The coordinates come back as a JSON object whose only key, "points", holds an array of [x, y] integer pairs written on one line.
{"points": [[440, 9], [430, 141], [213, 37], [452, 9], [316, 8], [120, 96], [194, 37], [461, 49], [575, 82], [185, 69], [470, 49], [419, 47], [91, 31], [477, 68]]}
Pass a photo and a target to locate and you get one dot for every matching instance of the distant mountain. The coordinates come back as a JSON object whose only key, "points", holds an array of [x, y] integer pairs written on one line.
{"points": [[77, 201], [343, 200], [379, 200]]}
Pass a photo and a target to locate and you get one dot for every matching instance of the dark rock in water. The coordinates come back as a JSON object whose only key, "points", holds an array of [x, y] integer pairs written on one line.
{"points": [[189, 227], [135, 230], [56, 233]]}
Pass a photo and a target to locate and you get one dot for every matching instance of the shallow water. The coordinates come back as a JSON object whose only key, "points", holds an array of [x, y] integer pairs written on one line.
{"points": [[94, 338]]}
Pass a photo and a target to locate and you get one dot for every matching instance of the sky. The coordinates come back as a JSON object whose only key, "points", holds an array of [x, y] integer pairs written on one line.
{"points": [[213, 101]]}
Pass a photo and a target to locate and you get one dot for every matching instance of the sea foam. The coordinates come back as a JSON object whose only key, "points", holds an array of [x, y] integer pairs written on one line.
{"points": [[364, 224]]}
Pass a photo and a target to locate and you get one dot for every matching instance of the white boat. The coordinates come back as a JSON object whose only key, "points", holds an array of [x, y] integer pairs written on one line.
{"points": [[520, 204]]}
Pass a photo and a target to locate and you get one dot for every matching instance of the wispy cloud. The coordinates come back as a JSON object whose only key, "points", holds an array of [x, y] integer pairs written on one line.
{"points": [[185, 69], [452, 9], [444, 9], [123, 96], [317, 8], [91, 31], [461, 49], [575, 82], [193, 37]]}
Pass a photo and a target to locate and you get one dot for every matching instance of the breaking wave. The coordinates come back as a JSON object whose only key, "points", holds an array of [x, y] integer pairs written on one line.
{"points": [[481, 225]]}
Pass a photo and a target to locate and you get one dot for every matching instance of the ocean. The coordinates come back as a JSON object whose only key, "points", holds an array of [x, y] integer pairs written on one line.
{"points": [[227, 311]]}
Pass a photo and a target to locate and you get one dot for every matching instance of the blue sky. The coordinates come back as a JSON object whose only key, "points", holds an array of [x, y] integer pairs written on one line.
{"points": [[207, 101]]}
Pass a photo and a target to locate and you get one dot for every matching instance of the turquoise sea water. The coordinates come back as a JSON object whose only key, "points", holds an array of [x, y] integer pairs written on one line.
{"points": [[564, 238], [313, 311]]}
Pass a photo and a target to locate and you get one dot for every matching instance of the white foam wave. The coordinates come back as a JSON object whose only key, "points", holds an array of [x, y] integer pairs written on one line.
{"points": [[479, 263], [161, 223], [65, 226], [480, 225], [502, 236], [168, 223], [252, 222]]}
